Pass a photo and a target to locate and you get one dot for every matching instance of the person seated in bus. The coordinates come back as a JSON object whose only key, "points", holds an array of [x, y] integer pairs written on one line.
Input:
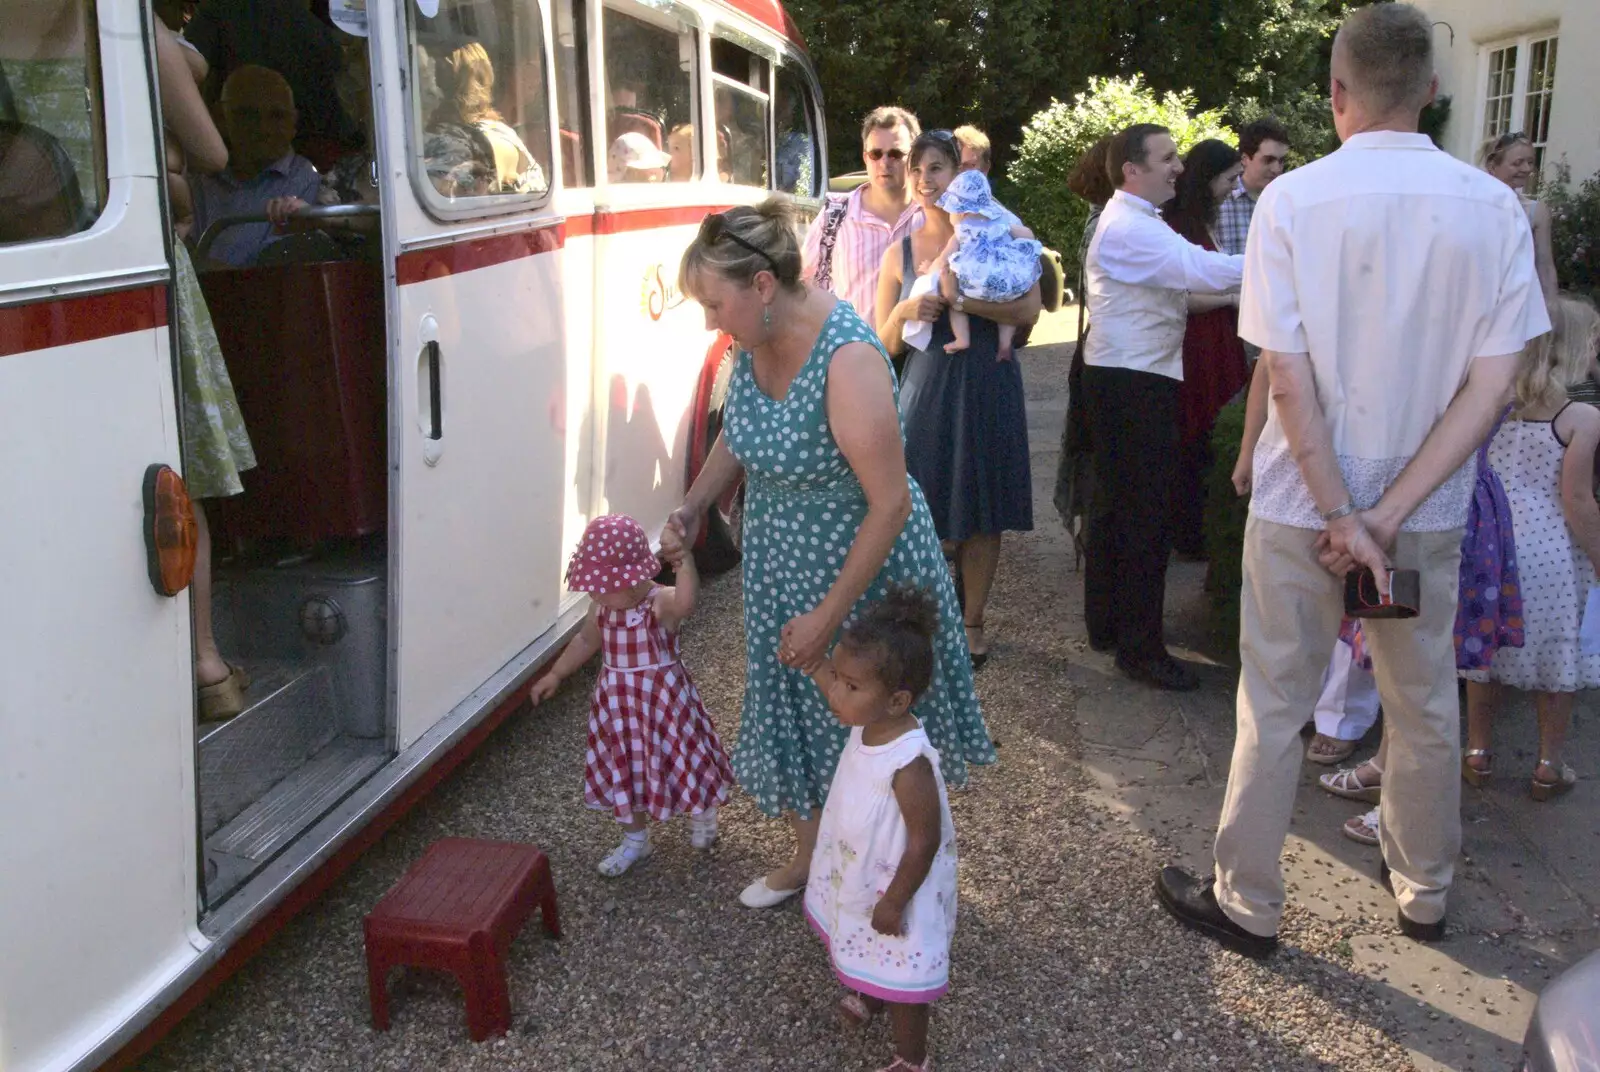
{"points": [[468, 145], [745, 149], [287, 37], [259, 117], [680, 147], [633, 159], [628, 115]]}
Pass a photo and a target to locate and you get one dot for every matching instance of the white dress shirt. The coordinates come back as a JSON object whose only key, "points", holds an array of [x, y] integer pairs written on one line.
{"points": [[1393, 265], [1137, 274]]}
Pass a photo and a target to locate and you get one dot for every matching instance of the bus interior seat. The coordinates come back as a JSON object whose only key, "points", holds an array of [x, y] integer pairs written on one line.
{"points": [[305, 350], [39, 192], [571, 154]]}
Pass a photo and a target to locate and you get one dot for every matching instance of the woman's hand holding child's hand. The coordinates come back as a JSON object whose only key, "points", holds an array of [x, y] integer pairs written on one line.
{"points": [[889, 918]]}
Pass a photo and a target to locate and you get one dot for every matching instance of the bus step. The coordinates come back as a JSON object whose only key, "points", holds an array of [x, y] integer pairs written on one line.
{"points": [[292, 715], [291, 806]]}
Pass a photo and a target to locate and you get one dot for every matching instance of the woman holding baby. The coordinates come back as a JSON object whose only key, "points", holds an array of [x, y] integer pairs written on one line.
{"points": [[965, 420]]}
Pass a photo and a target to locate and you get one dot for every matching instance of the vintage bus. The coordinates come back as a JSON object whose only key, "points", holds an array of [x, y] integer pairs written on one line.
{"points": [[438, 400]]}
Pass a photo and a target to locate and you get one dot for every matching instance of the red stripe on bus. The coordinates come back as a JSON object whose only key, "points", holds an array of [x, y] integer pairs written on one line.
{"points": [[771, 14], [64, 321], [439, 261]]}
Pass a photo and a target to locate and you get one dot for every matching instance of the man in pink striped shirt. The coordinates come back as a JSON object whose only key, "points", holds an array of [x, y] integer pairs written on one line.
{"points": [[876, 214]]}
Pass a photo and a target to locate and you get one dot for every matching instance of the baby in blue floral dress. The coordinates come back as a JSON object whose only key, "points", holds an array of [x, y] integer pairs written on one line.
{"points": [[992, 256]]}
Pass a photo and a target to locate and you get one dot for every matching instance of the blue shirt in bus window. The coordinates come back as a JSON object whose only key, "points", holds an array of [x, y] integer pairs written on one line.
{"points": [[225, 194]]}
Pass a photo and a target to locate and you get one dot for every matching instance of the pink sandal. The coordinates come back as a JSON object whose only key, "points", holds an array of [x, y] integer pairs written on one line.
{"points": [[854, 1010], [902, 1065]]}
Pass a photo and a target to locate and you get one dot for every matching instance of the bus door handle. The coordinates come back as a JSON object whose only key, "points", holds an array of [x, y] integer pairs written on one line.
{"points": [[430, 401]]}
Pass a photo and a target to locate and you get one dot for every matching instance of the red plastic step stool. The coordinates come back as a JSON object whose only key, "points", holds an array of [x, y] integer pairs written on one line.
{"points": [[457, 909]]}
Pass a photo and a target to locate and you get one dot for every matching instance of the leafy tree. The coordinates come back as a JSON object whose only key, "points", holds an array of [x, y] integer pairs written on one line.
{"points": [[1054, 140], [1574, 228]]}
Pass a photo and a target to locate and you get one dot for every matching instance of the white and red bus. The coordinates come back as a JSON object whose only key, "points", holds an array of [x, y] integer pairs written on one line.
{"points": [[438, 405]]}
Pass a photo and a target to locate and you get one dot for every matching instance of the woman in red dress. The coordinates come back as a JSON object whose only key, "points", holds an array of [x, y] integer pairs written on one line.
{"points": [[1214, 366]]}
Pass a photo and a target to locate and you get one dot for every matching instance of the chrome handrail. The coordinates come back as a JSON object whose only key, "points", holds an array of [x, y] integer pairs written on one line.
{"points": [[309, 212]]}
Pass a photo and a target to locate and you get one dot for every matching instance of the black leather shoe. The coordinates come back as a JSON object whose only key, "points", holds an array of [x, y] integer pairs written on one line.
{"points": [[1103, 644], [1166, 673], [1193, 902], [1417, 932]]}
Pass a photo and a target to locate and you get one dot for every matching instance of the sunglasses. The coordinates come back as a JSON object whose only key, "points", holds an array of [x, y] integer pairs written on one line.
{"points": [[892, 154], [714, 228]]}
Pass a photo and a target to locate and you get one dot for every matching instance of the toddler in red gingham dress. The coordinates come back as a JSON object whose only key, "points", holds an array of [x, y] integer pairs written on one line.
{"points": [[653, 751]]}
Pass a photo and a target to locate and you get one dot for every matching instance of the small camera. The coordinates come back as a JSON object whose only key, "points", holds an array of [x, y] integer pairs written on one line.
{"points": [[1363, 600]]}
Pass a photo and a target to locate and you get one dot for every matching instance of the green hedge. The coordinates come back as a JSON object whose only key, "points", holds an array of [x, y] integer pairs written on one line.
{"points": [[1224, 529]]}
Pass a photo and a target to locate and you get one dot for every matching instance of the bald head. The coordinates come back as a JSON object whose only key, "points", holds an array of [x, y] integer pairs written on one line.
{"points": [[258, 112], [1383, 58]]}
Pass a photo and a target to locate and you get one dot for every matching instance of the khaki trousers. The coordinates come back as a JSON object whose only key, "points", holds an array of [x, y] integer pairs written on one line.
{"points": [[1290, 609]]}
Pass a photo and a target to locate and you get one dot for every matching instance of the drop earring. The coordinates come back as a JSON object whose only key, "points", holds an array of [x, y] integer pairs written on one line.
{"points": [[766, 316]]}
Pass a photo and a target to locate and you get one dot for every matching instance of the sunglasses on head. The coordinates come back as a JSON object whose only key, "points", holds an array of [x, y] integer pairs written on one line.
{"points": [[1512, 138], [714, 228], [892, 154]]}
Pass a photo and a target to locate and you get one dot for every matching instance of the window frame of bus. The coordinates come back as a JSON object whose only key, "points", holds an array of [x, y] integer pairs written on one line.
{"points": [[447, 209], [582, 74], [99, 186], [811, 106], [642, 11], [762, 51]]}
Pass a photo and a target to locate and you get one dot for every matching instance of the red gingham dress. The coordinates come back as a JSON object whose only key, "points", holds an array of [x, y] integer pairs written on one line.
{"points": [[652, 746]]}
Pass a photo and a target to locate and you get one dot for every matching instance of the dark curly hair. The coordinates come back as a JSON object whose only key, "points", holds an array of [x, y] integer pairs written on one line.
{"points": [[897, 633]]}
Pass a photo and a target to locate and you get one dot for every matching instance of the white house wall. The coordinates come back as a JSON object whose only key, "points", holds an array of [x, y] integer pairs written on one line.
{"points": [[1574, 126]]}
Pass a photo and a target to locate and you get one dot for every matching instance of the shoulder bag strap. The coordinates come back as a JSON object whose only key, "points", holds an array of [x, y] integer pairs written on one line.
{"points": [[832, 219]]}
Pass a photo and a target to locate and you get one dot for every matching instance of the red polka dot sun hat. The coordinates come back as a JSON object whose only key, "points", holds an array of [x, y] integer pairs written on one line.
{"points": [[613, 556]]}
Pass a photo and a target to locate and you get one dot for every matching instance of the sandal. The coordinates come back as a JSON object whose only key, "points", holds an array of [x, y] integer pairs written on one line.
{"points": [[1542, 790], [225, 699], [1478, 777], [902, 1065], [978, 657], [624, 856], [1362, 828], [855, 1012], [1318, 751], [703, 829], [1348, 783]]}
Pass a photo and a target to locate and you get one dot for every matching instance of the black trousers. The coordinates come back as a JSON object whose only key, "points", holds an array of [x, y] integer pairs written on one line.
{"points": [[1133, 424]]}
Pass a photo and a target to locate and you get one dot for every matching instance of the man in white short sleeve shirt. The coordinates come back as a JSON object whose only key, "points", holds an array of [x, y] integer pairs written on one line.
{"points": [[1391, 289]]}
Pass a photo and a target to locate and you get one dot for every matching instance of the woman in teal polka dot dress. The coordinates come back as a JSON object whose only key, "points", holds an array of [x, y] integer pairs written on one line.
{"points": [[831, 518]]}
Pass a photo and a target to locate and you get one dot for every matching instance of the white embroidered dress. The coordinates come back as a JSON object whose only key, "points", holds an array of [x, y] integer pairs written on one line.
{"points": [[859, 845]]}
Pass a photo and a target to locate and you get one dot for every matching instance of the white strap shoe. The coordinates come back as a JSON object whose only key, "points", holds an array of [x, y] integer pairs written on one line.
{"points": [[759, 895]]}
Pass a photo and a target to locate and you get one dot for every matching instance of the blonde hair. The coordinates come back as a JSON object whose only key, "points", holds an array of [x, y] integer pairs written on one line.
{"points": [[1561, 357], [466, 79], [1494, 150], [771, 227], [971, 136]]}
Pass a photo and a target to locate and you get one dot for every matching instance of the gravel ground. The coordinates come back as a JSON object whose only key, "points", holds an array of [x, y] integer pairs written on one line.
{"points": [[1062, 958]]}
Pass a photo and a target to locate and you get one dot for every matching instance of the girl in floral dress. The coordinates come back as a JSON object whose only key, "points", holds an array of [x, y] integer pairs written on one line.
{"points": [[653, 751], [882, 892]]}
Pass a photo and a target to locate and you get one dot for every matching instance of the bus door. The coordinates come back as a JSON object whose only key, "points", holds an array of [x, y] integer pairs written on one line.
{"points": [[479, 393], [96, 682]]}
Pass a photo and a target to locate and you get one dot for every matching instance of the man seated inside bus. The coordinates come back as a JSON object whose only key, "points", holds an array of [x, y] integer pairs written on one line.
{"points": [[634, 159], [628, 114], [258, 116]]}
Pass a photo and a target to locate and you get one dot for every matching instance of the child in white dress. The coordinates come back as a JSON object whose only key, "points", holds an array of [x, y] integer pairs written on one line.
{"points": [[882, 889], [1544, 455], [991, 257]]}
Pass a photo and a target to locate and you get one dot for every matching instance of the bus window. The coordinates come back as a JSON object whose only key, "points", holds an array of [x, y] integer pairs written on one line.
{"points": [[740, 89], [52, 128], [797, 171], [650, 75], [572, 91], [480, 103]]}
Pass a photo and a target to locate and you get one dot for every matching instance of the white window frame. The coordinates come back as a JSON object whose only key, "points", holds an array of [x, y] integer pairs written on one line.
{"points": [[1517, 117]]}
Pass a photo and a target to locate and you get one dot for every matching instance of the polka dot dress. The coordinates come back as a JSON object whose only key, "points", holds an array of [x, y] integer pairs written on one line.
{"points": [[1556, 576], [803, 507]]}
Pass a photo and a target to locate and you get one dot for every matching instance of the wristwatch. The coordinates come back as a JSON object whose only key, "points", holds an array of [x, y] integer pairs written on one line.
{"points": [[1337, 512]]}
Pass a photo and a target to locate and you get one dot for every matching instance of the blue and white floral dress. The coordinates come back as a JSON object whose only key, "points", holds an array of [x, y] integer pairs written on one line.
{"points": [[991, 265]]}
